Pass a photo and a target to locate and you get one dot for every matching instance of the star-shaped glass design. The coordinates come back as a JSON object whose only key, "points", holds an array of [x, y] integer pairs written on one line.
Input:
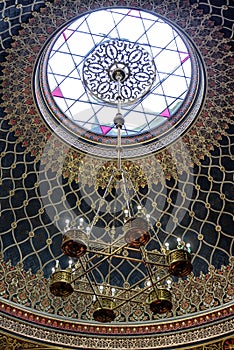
{"points": [[170, 55]]}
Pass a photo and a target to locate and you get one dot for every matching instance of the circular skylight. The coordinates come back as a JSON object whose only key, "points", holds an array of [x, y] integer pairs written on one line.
{"points": [[161, 73]]}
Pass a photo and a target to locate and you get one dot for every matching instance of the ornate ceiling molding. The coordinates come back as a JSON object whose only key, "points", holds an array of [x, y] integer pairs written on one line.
{"points": [[203, 136], [26, 297], [215, 311], [138, 337], [11, 343]]}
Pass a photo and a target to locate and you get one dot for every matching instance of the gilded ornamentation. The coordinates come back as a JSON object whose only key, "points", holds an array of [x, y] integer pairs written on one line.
{"points": [[208, 129], [139, 341], [196, 294], [190, 183]]}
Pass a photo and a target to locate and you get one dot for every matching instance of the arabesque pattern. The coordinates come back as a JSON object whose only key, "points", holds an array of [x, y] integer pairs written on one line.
{"points": [[187, 187]]}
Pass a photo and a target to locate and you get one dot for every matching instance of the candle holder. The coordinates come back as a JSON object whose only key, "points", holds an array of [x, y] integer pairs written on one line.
{"points": [[74, 243], [136, 232], [60, 283], [179, 261], [160, 301], [104, 310]]}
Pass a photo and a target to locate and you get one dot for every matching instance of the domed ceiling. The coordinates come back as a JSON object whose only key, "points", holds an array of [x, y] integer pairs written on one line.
{"points": [[58, 152]]}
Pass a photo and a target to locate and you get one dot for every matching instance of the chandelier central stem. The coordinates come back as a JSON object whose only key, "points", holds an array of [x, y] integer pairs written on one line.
{"points": [[119, 149], [118, 76]]}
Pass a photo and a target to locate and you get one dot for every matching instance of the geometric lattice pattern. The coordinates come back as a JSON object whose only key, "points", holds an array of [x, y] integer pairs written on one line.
{"points": [[36, 202], [163, 43], [196, 205]]}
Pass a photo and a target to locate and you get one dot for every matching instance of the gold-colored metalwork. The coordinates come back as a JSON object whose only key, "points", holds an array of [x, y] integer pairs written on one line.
{"points": [[60, 284], [136, 232], [104, 310], [74, 243], [160, 301], [179, 261]]}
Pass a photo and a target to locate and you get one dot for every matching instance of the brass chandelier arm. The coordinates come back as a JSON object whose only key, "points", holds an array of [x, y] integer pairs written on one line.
{"points": [[116, 297], [112, 254], [152, 252], [100, 204], [125, 192], [148, 269], [141, 291], [132, 259], [97, 264], [90, 282], [122, 295]]}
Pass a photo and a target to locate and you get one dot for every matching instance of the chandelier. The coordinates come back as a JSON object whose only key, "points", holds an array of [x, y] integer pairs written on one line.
{"points": [[119, 72]]}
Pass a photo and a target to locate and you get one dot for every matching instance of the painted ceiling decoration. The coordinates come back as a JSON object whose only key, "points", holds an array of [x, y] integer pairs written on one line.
{"points": [[184, 174]]}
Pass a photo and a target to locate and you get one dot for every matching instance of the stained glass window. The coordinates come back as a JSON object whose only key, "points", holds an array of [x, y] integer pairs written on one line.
{"points": [[91, 32]]}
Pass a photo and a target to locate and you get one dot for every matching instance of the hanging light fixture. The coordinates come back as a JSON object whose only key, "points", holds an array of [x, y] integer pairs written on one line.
{"points": [[136, 232]]}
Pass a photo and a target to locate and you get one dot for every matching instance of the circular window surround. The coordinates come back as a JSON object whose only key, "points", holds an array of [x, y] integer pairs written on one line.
{"points": [[133, 146]]}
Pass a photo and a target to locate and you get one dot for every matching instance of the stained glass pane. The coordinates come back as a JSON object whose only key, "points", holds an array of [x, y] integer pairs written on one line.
{"points": [[70, 83]]}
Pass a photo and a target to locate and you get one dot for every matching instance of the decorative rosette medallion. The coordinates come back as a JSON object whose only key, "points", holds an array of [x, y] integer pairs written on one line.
{"points": [[137, 69]]}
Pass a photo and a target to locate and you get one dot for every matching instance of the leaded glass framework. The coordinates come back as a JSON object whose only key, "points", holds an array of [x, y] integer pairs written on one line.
{"points": [[75, 60]]}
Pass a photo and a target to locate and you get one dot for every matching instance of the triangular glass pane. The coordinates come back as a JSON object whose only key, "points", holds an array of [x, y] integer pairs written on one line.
{"points": [[184, 57], [174, 86], [61, 103], [72, 88], [52, 82], [187, 68], [57, 92], [165, 113], [67, 33], [80, 43], [103, 24], [164, 37], [82, 113], [105, 129], [62, 63], [167, 61]]}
